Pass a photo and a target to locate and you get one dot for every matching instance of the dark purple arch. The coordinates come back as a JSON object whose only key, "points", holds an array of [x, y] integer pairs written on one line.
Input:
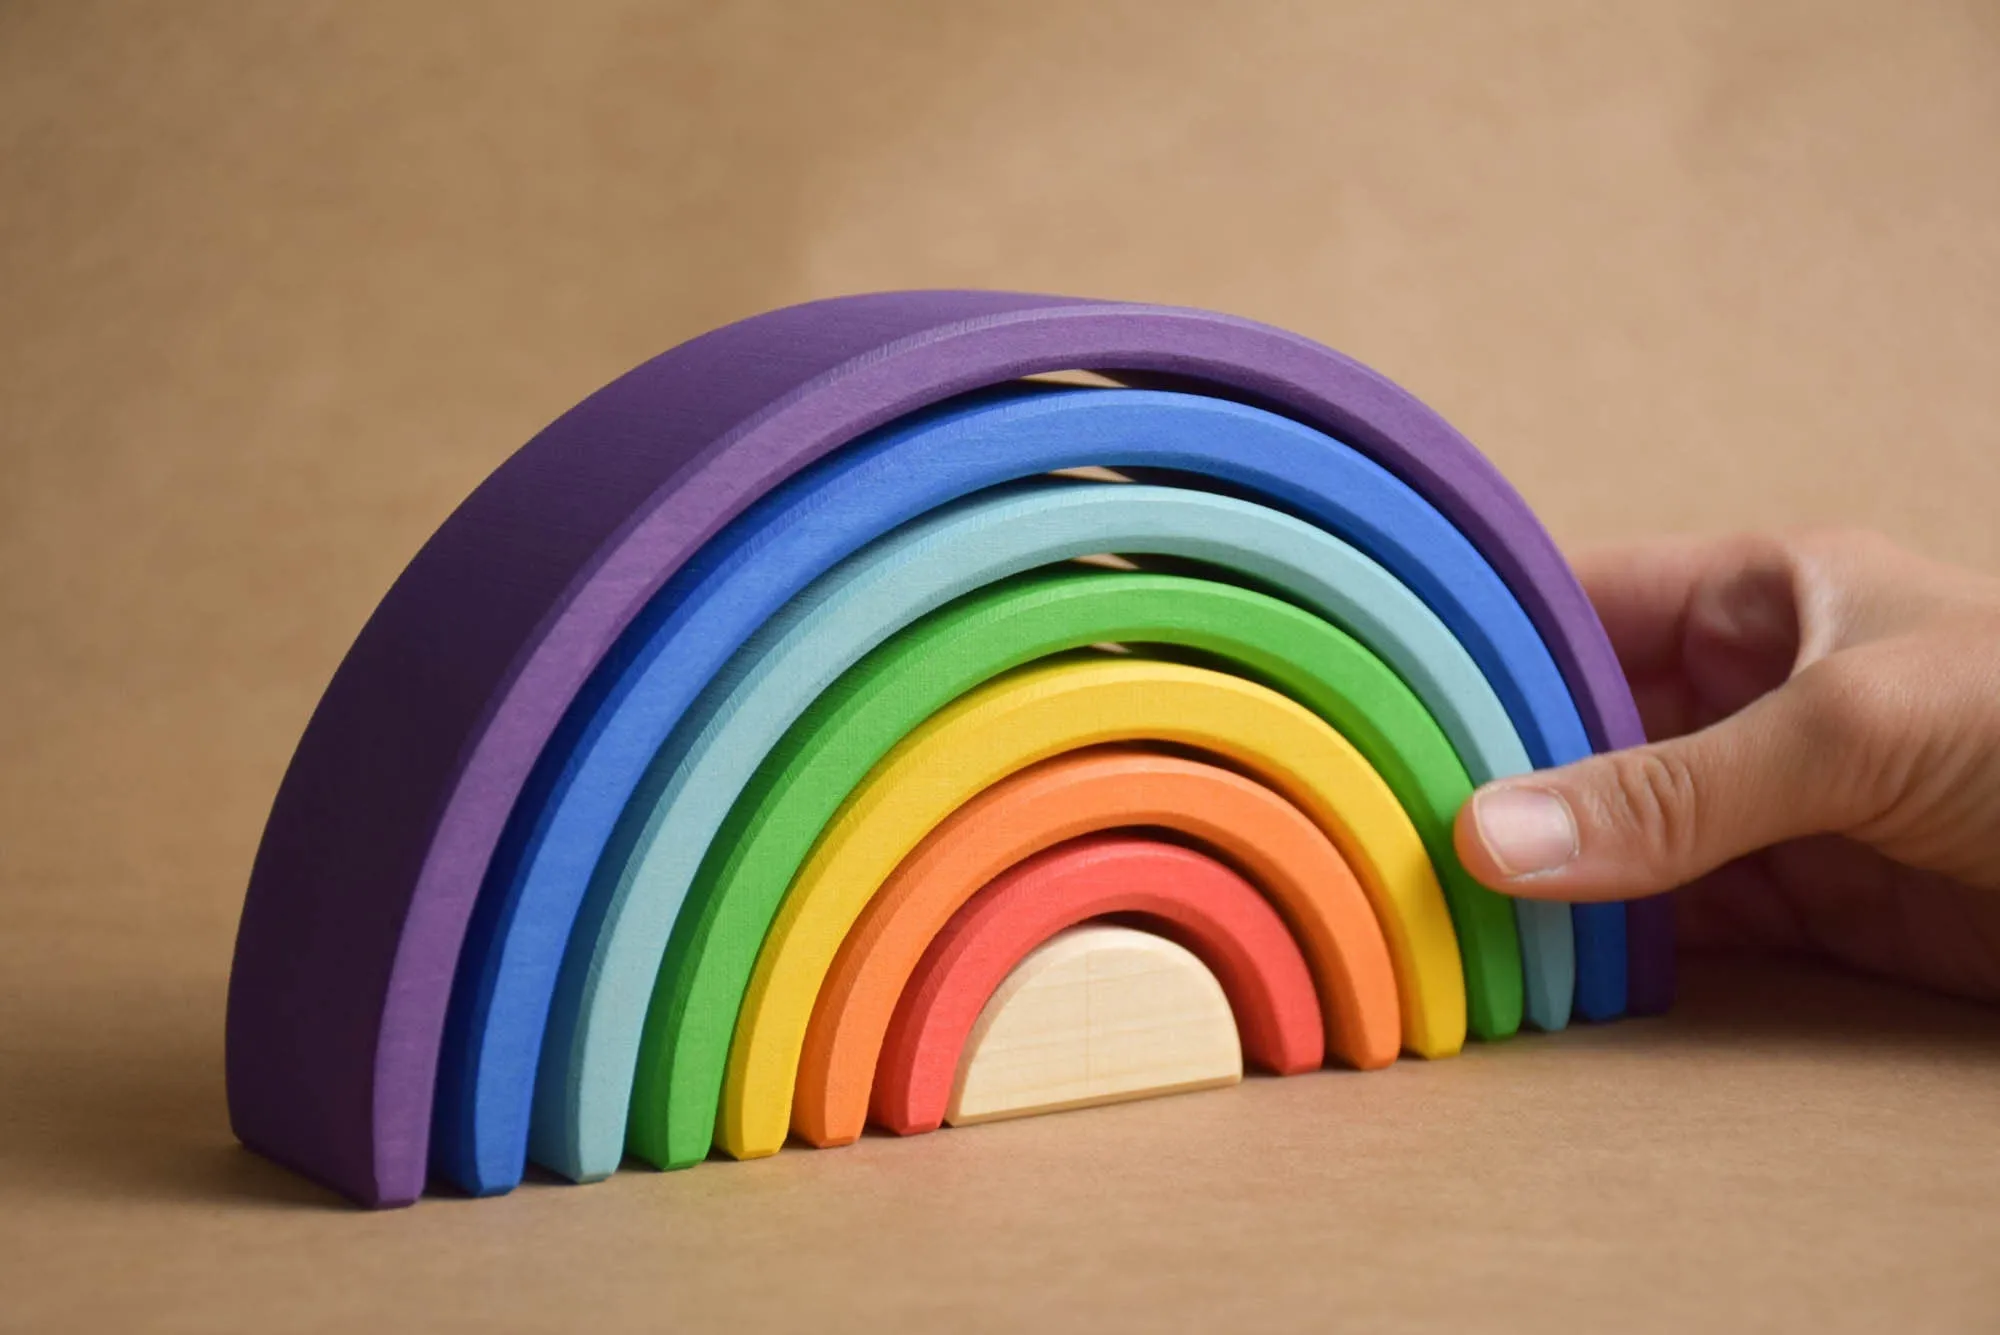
{"points": [[385, 821]]}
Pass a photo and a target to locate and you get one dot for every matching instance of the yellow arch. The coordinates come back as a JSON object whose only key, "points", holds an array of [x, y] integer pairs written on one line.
{"points": [[1027, 716]]}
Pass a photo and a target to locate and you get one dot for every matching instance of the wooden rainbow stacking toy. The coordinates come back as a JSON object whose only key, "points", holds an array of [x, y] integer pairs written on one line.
{"points": [[751, 755]]}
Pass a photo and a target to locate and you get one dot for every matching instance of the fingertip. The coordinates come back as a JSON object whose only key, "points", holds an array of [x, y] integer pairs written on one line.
{"points": [[1517, 838]]}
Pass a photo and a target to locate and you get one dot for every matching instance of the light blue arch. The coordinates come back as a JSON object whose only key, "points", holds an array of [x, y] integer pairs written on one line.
{"points": [[525, 914], [585, 1082]]}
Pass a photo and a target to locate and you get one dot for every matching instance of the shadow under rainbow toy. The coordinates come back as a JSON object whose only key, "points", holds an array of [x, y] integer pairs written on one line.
{"points": [[712, 766]]}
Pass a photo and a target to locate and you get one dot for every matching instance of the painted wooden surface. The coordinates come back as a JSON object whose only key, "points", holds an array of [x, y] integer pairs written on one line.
{"points": [[823, 761], [1028, 716], [1251, 828], [1124, 877], [644, 925], [405, 781], [1096, 1015], [549, 940]]}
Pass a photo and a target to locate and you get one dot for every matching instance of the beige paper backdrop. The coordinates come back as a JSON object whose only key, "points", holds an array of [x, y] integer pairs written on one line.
{"points": [[279, 283]]}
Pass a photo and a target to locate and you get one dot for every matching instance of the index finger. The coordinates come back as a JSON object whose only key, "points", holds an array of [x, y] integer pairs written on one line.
{"points": [[1644, 591]]}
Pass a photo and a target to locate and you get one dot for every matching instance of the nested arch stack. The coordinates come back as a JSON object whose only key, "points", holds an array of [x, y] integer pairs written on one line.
{"points": [[696, 781]]}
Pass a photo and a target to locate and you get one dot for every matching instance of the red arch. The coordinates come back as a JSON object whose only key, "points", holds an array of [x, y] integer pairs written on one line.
{"points": [[1088, 792], [1184, 895]]}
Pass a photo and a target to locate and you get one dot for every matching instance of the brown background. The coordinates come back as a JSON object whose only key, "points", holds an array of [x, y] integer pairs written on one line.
{"points": [[280, 283]]}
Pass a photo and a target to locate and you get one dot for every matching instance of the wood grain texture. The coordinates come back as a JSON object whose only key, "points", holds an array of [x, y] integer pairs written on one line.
{"points": [[949, 1056], [1247, 825], [1097, 1015]]}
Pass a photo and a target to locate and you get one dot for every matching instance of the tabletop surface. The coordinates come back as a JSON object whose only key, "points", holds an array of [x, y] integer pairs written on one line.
{"points": [[1788, 1148]]}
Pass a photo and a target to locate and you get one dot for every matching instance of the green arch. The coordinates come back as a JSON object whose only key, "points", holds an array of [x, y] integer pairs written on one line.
{"points": [[771, 828]]}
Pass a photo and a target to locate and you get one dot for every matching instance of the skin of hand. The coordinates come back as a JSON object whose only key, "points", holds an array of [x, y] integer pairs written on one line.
{"points": [[1824, 777]]}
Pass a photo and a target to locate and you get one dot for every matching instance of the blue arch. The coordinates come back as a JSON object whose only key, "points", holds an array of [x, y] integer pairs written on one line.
{"points": [[521, 924]]}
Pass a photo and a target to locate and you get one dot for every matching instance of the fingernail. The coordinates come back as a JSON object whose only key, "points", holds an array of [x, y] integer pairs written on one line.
{"points": [[1527, 831]]}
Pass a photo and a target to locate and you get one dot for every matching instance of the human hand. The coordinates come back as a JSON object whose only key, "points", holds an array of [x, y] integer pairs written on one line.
{"points": [[1825, 774]]}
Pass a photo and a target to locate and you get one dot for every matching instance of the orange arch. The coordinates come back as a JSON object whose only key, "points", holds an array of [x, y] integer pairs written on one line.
{"points": [[1185, 896], [1247, 825]]}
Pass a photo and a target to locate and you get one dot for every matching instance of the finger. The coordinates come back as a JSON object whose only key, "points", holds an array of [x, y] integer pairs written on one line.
{"points": [[1654, 817], [1702, 626], [1667, 706], [1641, 592], [1653, 596], [1741, 636], [1875, 914], [1855, 587], [1738, 907]]}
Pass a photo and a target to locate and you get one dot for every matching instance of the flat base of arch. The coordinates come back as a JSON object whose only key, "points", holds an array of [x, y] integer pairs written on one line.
{"points": [[1098, 1101]]}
